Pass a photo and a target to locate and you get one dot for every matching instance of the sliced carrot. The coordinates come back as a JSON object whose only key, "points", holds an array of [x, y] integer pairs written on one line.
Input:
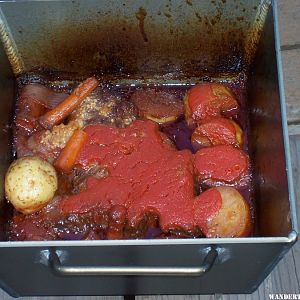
{"points": [[68, 155], [62, 110]]}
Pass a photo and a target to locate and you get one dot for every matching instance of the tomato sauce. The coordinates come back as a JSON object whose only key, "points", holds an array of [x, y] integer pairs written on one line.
{"points": [[146, 175]]}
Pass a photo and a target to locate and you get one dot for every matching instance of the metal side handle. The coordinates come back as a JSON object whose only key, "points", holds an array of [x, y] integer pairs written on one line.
{"points": [[59, 269]]}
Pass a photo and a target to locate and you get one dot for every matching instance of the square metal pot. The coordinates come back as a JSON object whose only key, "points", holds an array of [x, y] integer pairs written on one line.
{"points": [[171, 42]]}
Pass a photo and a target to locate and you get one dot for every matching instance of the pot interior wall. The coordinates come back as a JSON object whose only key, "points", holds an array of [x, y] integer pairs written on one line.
{"points": [[137, 38], [158, 41], [267, 150], [7, 100]]}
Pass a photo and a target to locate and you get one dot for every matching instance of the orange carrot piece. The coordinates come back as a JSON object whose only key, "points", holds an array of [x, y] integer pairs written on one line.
{"points": [[68, 155], [62, 110]]}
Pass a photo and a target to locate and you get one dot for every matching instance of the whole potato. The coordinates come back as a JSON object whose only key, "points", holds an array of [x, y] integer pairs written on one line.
{"points": [[30, 183], [217, 131], [223, 212], [207, 100]]}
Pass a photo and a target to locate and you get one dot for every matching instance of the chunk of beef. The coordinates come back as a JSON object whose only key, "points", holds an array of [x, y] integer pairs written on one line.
{"points": [[105, 107], [34, 100]]}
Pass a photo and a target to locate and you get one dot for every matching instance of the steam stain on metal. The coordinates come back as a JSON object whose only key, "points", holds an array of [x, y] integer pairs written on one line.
{"points": [[141, 15], [115, 42], [92, 49]]}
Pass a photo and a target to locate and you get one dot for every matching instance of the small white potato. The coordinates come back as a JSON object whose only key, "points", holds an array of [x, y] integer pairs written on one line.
{"points": [[30, 183], [234, 217]]}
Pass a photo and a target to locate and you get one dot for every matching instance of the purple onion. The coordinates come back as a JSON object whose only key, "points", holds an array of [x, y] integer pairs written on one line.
{"points": [[72, 236], [153, 232], [180, 133]]}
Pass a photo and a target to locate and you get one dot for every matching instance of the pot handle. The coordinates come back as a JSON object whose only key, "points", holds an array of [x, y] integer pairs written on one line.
{"points": [[59, 269]]}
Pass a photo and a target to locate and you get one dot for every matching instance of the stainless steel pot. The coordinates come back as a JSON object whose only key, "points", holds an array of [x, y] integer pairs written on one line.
{"points": [[165, 42]]}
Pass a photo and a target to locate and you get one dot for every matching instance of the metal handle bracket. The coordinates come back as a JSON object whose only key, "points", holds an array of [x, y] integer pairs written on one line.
{"points": [[62, 270]]}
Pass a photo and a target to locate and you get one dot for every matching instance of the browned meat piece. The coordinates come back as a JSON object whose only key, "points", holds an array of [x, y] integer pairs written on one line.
{"points": [[33, 101], [76, 181], [104, 107], [49, 224], [49, 143]]}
